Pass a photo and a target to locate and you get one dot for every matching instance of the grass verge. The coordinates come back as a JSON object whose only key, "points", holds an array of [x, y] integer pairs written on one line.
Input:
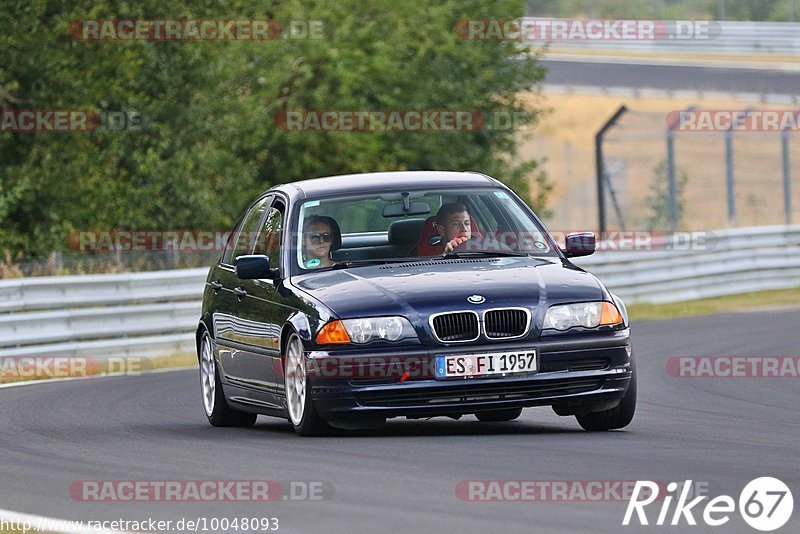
{"points": [[730, 304]]}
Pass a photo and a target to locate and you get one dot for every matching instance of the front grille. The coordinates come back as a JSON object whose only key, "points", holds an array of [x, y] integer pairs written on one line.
{"points": [[506, 323], [458, 326], [475, 391]]}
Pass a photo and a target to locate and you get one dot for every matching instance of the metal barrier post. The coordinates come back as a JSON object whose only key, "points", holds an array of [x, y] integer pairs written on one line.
{"points": [[729, 176], [787, 177], [600, 167]]}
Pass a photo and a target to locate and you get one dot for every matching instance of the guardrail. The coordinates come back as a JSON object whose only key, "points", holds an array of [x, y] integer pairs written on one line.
{"points": [[727, 262], [128, 314], [155, 313], [735, 37]]}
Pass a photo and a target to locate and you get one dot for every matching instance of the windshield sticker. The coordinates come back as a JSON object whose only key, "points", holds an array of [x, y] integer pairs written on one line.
{"points": [[539, 245], [501, 194], [311, 204], [313, 263]]}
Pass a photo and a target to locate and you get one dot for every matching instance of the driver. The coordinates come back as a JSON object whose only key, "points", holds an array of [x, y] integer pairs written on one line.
{"points": [[319, 234], [454, 225]]}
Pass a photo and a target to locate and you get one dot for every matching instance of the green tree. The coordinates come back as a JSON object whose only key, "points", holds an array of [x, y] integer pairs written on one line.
{"points": [[658, 200], [209, 142]]}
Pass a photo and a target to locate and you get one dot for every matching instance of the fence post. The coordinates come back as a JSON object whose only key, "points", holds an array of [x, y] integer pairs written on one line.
{"points": [[673, 188], [672, 181], [729, 176], [600, 168], [787, 177]]}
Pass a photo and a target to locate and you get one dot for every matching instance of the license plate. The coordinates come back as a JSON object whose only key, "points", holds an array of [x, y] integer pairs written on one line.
{"points": [[481, 365]]}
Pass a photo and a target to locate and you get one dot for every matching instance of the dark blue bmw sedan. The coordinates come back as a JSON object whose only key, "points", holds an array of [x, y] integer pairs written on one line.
{"points": [[344, 301]]}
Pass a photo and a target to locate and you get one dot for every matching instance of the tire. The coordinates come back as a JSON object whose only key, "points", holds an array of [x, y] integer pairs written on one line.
{"points": [[216, 408], [618, 417], [493, 416], [302, 414]]}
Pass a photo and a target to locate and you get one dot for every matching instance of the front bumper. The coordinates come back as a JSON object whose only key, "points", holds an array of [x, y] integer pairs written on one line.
{"points": [[575, 372]]}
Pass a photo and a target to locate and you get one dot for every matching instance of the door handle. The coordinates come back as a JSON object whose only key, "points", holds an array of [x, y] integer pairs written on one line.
{"points": [[239, 292], [215, 285]]}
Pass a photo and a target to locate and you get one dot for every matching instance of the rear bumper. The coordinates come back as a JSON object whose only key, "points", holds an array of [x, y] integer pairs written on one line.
{"points": [[575, 372]]}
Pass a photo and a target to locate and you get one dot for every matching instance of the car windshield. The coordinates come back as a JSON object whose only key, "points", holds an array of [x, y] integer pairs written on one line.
{"points": [[390, 227]]}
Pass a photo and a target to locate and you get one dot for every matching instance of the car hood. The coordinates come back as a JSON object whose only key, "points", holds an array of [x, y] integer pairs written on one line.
{"points": [[418, 289]]}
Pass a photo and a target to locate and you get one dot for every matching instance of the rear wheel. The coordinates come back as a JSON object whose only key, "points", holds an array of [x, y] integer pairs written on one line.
{"points": [[508, 414], [218, 412], [302, 414], [618, 417]]}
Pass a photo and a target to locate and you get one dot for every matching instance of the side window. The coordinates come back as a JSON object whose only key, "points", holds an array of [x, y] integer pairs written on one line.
{"points": [[268, 241], [227, 252], [241, 241]]}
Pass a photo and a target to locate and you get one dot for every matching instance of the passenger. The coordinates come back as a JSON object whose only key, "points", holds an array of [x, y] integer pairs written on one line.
{"points": [[320, 236], [454, 225]]}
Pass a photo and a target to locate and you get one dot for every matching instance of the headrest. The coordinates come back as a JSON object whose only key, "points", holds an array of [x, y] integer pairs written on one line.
{"points": [[405, 231]]}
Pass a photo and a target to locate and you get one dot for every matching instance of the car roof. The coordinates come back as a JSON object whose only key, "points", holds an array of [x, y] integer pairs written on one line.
{"points": [[386, 181]]}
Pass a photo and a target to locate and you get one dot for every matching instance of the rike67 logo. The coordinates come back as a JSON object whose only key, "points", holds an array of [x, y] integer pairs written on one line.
{"points": [[765, 504]]}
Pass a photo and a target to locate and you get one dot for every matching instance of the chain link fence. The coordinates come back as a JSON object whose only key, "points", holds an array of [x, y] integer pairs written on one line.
{"points": [[721, 179]]}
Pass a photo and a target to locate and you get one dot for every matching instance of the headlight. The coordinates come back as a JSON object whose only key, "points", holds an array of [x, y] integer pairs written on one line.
{"points": [[365, 330], [586, 314]]}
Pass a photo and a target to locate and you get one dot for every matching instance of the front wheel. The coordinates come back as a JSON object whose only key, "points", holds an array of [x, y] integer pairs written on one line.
{"points": [[618, 417], [218, 412], [302, 414]]}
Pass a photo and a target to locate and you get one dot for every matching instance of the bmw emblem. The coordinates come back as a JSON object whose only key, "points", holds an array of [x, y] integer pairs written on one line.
{"points": [[476, 299]]}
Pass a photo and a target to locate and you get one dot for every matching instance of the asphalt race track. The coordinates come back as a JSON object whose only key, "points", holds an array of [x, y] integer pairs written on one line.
{"points": [[722, 432], [671, 77]]}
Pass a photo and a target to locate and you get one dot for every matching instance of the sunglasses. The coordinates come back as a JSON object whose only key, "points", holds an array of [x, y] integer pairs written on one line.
{"points": [[319, 237]]}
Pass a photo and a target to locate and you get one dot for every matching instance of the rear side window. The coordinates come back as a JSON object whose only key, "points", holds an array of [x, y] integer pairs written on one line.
{"points": [[243, 238]]}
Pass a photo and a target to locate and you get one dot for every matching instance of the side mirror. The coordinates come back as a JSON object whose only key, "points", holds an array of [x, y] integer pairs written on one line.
{"points": [[580, 244], [253, 267]]}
